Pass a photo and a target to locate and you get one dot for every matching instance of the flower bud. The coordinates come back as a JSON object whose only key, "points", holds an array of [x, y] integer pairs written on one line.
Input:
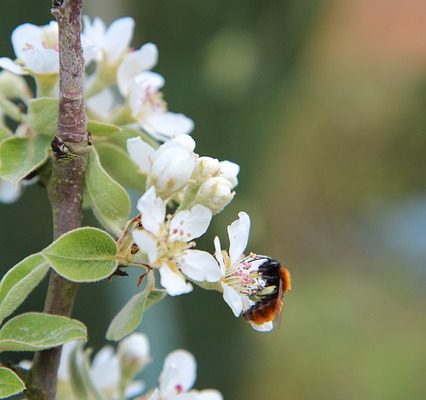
{"points": [[133, 353], [206, 167], [13, 86], [215, 193], [229, 170]]}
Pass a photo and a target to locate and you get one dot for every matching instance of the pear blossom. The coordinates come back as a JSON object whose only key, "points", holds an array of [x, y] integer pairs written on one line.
{"points": [[150, 110], [110, 43], [169, 167], [215, 193], [167, 243], [178, 377], [37, 50], [241, 279]]}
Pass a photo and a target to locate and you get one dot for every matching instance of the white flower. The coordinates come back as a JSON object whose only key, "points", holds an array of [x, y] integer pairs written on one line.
{"points": [[150, 110], [169, 167], [215, 193], [9, 192], [37, 50], [112, 42], [167, 243], [178, 377], [133, 352], [134, 64], [241, 279]]}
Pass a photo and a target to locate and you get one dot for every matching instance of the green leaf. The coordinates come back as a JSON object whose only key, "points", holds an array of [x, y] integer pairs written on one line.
{"points": [[38, 331], [130, 316], [10, 109], [120, 166], [10, 383], [43, 113], [83, 255], [109, 201], [19, 281], [98, 128], [19, 156]]}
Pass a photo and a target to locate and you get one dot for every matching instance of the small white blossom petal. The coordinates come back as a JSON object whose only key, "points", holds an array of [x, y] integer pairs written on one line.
{"points": [[9, 192], [178, 374], [105, 370], [135, 388], [134, 348], [167, 125], [199, 266], [42, 61], [8, 64], [209, 394], [141, 153], [153, 211], [28, 36], [134, 63], [233, 299], [238, 233], [219, 256], [102, 104], [64, 364], [118, 37], [173, 282], [266, 327], [229, 170], [146, 243], [190, 224]]}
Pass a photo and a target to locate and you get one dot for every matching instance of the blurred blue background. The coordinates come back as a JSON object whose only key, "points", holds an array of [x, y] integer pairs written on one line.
{"points": [[322, 103]]}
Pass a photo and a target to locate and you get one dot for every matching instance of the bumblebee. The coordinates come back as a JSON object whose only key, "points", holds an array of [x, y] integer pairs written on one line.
{"points": [[269, 302]]}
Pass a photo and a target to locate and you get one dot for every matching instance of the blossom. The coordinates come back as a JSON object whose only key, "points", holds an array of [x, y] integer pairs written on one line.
{"points": [[241, 279], [37, 50], [167, 243], [112, 42], [169, 167], [108, 367], [178, 377], [150, 110]]}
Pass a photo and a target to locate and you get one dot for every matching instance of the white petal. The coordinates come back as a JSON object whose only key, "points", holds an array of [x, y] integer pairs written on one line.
{"points": [[238, 233], [167, 125], [153, 211], [9, 192], [102, 104], [174, 283], [134, 63], [118, 37], [200, 266], [172, 169], [134, 388], [25, 37], [233, 299], [141, 153], [8, 64], [134, 347], [42, 61], [105, 370], [64, 363], [146, 243], [190, 224], [209, 394], [178, 374], [229, 170], [219, 256], [266, 327]]}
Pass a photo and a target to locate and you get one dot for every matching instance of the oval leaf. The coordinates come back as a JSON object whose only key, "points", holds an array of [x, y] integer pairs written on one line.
{"points": [[19, 156], [44, 115], [109, 201], [19, 281], [120, 166], [129, 317], [10, 383], [4, 132], [83, 255], [38, 331], [102, 128]]}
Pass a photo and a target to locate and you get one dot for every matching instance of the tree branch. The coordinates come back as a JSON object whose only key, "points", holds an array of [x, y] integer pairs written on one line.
{"points": [[70, 148]]}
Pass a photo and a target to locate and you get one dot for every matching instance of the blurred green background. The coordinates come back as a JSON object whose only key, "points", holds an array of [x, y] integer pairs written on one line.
{"points": [[322, 103]]}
